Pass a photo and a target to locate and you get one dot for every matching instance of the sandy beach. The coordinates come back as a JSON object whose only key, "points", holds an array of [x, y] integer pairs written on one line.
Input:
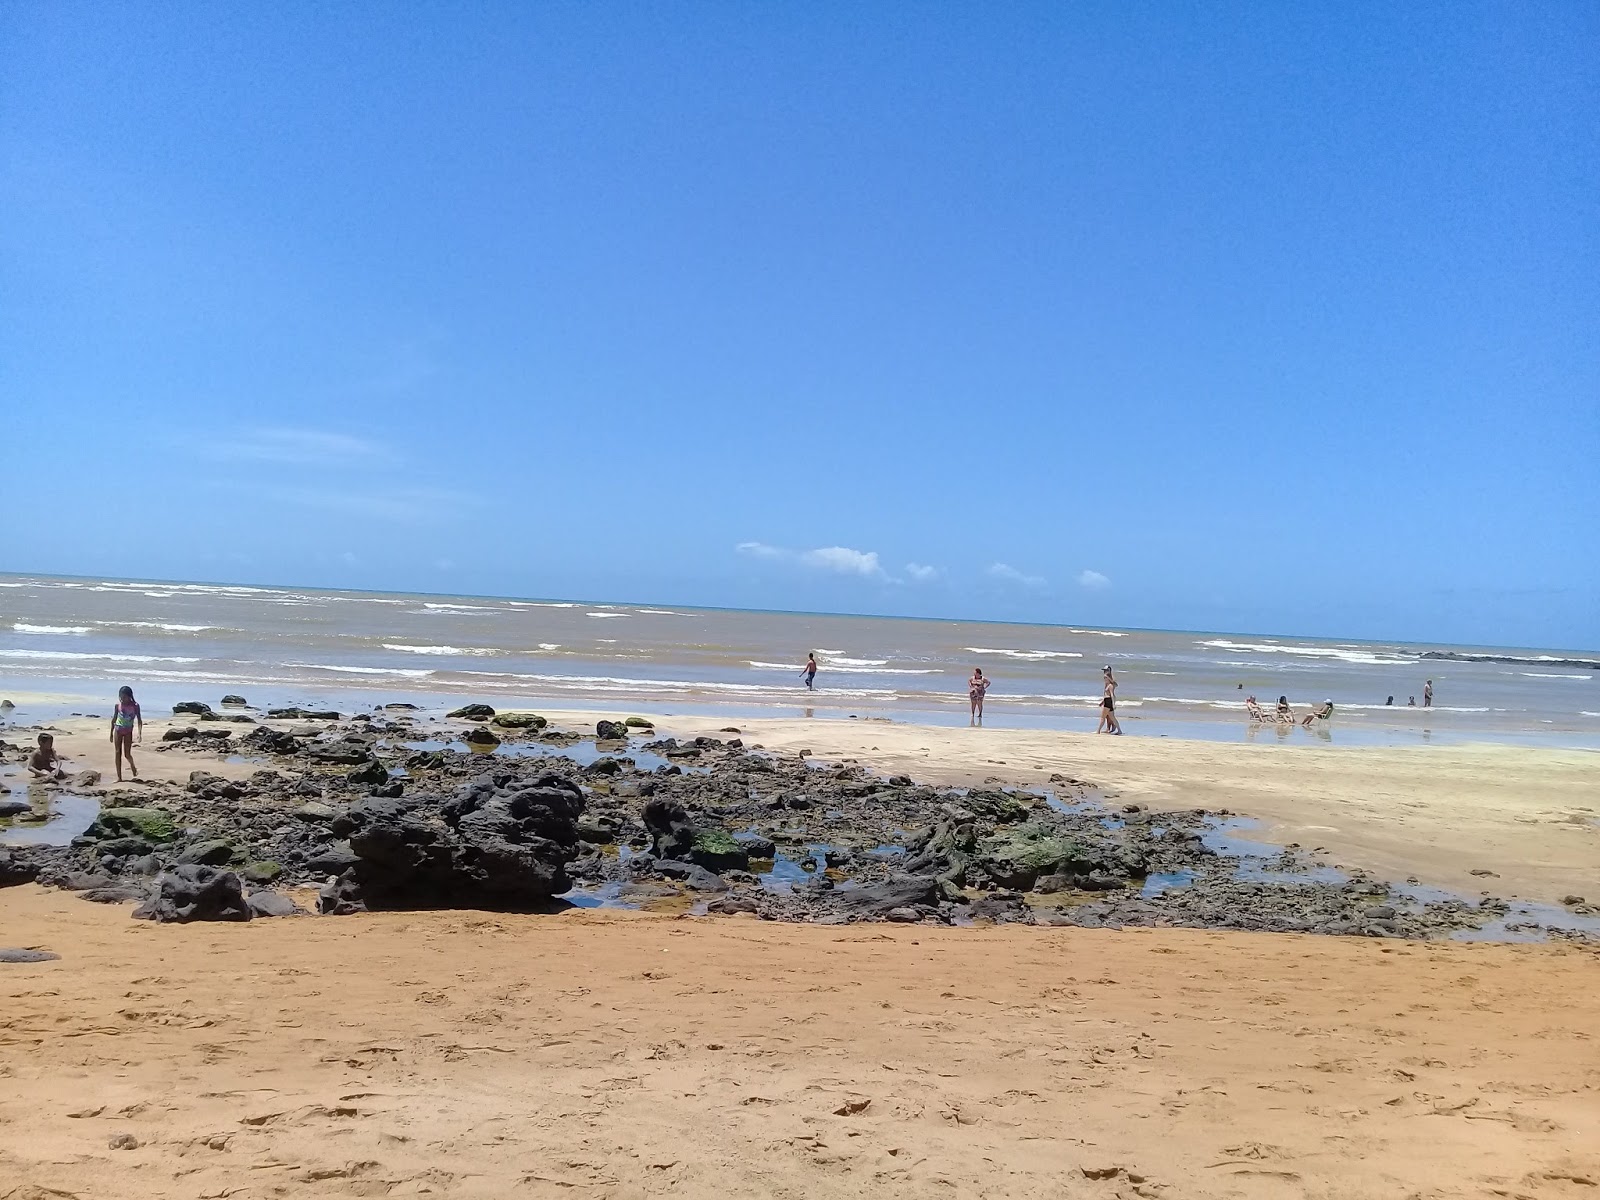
{"points": [[616, 1055]]}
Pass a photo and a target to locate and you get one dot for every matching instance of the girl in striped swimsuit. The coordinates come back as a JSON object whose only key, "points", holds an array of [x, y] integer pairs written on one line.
{"points": [[123, 719]]}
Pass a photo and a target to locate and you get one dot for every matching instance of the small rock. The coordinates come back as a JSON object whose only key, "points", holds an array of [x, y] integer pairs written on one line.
{"points": [[211, 853], [272, 904], [191, 706], [471, 712], [231, 699], [26, 956], [1572, 901], [124, 1141], [316, 810]]}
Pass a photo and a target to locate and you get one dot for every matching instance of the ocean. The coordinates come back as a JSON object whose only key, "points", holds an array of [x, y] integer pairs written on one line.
{"points": [[78, 639]]}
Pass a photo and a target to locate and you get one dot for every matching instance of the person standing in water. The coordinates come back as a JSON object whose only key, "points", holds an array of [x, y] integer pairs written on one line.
{"points": [[123, 719], [1108, 704], [809, 673], [1427, 694], [976, 687]]}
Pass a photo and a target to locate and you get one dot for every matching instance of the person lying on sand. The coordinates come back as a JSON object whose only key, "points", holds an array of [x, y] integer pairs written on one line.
{"points": [[45, 763], [1320, 714]]}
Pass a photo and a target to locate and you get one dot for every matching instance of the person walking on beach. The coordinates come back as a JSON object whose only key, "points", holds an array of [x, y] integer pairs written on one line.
{"points": [[123, 719], [809, 674], [976, 687], [1427, 694], [1108, 704]]}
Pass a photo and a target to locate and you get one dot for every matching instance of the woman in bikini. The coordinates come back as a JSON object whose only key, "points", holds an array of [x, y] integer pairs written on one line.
{"points": [[976, 687], [1108, 705], [123, 719]]}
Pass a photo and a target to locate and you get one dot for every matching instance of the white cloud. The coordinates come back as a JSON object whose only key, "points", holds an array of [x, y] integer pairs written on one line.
{"points": [[840, 559], [1009, 574], [298, 447], [844, 560], [921, 573], [1093, 579], [760, 550]]}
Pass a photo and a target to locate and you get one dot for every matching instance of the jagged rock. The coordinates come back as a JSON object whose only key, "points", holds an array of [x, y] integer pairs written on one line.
{"points": [[15, 869], [695, 877], [1017, 857], [151, 824], [272, 904], [340, 898], [343, 754], [191, 892], [598, 827], [123, 847], [756, 845], [332, 860], [191, 706], [604, 766], [273, 741], [502, 844], [519, 721], [730, 905], [610, 731], [877, 900], [370, 772], [232, 699], [716, 850], [117, 893], [214, 853], [86, 779], [667, 823], [471, 712], [480, 737], [260, 871], [316, 811]]}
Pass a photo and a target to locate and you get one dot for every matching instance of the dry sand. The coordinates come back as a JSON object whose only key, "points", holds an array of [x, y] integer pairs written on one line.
{"points": [[618, 1055], [477, 1055]]}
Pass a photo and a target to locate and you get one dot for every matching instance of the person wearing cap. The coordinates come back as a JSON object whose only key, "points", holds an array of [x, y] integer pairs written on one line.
{"points": [[1108, 704], [1321, 714]]}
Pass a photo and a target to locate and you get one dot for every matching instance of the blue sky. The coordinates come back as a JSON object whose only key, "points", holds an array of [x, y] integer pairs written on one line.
{"points": [[1246, 317]]}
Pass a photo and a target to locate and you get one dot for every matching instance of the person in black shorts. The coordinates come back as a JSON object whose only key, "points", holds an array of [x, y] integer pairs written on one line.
{"points": [[1108, 704]]}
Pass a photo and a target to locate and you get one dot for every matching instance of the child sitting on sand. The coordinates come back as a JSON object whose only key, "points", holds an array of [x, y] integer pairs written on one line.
{"points": [[45, 763]]}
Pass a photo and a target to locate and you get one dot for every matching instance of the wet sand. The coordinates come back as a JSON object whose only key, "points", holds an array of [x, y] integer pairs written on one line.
{"points": [[624, 1055]]}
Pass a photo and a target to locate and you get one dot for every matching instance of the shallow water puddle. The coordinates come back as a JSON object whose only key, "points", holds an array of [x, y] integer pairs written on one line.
{"points": [[56, 819]]}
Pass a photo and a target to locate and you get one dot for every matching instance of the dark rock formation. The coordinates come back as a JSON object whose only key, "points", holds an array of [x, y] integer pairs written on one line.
{"points": [[498, 844], [196, 893]]}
